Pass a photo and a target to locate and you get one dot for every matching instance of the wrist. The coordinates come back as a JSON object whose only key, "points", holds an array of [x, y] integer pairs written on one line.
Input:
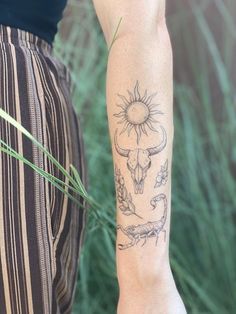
{"points": [[147, 285], [143, 273], [161, 299]]}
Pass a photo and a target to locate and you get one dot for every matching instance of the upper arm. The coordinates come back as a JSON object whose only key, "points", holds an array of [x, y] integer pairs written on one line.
{"points": [[138, 16]]}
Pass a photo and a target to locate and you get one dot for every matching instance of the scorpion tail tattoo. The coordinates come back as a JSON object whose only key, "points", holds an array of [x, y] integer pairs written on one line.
{"points": [[150, 229], [155, 200]]}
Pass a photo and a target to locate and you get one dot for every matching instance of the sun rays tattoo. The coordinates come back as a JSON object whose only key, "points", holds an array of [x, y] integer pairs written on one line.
{"points": [[137, 112], [139, 160], [126, 204]]}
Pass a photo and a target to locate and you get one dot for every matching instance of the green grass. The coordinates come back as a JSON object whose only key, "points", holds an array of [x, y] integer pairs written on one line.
{"points": [[203, 232]]}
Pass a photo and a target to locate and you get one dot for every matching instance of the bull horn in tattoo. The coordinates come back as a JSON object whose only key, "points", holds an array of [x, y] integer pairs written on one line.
{"points": [[139, 161]]}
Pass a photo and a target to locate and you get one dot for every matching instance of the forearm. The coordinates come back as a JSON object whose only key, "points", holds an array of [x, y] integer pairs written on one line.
{"points": [[140, 115]]}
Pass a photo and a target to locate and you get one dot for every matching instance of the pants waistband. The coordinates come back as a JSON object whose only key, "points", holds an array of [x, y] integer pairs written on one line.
{"points": [[20, 37]]}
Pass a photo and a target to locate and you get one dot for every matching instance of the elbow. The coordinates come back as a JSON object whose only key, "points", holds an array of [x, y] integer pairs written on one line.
{"points": [[142, 42], [136, 27], [140, 31]]}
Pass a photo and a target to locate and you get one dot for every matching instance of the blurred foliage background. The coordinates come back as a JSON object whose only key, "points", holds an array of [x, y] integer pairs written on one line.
{"points": [[203, 234]]}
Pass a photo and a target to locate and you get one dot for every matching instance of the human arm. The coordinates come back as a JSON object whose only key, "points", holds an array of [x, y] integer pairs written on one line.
{"points": [[140, 114]]}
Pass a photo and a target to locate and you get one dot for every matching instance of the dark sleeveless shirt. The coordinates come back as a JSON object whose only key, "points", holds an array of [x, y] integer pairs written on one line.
{"points": [[39, 17]]}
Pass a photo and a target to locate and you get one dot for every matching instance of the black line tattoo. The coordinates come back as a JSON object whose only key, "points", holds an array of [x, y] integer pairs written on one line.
{"points": [[144, 231], [137, 112], [139, 161], [126, 206], [162, 175]]}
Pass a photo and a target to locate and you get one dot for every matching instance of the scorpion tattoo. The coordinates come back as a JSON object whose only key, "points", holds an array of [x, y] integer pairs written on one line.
{"points": [[150, 229]]}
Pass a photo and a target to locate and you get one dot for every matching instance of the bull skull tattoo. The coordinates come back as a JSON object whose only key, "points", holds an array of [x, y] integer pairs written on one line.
{"points": [[139, 160]]}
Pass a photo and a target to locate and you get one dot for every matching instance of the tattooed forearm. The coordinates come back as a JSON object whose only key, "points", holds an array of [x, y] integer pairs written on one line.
{"points": [[126, 206], [137, 115], [147, 230], [139, 160], [162, 175], [137, 112]]}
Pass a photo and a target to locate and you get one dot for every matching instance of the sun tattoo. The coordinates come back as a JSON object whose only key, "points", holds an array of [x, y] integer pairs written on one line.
{"points": [[137, 112]]}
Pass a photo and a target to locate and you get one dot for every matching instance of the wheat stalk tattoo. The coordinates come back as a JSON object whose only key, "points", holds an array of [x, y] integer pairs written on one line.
{"points": [[126, 206]]}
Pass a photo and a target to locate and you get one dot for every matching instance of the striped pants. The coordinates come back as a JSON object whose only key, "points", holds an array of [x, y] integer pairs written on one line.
{"points": [[41, 229]]}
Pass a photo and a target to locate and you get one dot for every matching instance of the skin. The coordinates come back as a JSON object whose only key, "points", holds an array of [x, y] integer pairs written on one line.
{"points": [[141, 52]]}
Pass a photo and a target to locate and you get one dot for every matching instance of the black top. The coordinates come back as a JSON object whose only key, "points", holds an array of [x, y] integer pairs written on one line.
{"points": [[39, 17]]}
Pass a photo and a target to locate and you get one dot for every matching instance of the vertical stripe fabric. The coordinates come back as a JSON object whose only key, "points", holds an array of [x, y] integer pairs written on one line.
{"points": [[41, 229]]}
